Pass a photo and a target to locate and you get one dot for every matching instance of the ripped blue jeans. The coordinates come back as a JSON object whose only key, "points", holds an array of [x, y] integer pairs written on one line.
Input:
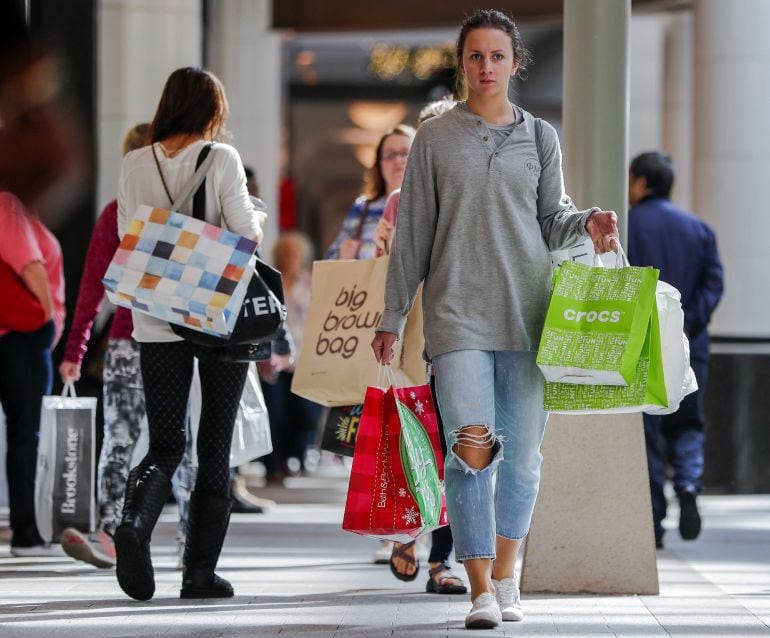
{"points": [[502, 390]]}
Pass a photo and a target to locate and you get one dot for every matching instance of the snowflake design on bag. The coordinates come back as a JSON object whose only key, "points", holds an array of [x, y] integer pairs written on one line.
{"points": [[410, 516], [413, 395], [419, 407], [401, 492]]}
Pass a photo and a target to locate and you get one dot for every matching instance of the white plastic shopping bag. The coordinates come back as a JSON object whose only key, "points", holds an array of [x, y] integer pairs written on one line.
{"points": [[675, 348], [64, 479], [251, 434]]}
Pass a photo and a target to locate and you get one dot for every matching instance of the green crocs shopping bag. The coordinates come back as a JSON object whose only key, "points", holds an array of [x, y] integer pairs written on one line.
{"points": [[647, 389], [597, 323]]}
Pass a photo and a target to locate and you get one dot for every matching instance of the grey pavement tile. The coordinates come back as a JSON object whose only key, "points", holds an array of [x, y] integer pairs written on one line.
{"points": [[297, 574]]}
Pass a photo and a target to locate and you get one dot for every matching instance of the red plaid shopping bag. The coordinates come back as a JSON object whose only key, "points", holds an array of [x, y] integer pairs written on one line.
{"points": [[396, 489]]}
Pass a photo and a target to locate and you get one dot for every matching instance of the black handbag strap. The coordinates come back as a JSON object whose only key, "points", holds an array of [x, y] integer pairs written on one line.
{"points": [[199, 199], [197, 183]]}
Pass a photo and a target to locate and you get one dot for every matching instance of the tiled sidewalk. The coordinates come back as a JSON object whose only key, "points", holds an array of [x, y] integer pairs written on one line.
{"points": [[296, 574]]}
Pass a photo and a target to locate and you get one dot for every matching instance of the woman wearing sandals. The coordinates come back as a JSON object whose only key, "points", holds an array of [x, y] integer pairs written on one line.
{"points": [[403, 560], [355, 239], [191, 113], [480, 209]]}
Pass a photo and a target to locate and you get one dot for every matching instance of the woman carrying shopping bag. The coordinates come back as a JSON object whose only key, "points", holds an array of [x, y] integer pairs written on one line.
{"points": [[355, 239], [479, 212], [192, 112], [123, 395], [404, 563]]}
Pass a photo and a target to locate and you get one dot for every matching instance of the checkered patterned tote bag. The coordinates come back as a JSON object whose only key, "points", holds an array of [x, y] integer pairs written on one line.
{"points": [[396, 489], [180, 269]]}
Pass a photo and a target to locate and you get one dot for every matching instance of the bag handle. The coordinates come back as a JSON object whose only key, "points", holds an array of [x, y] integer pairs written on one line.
{"points": [[621, 261], [385, 373], [69, 390], [201, 168], [205, 158]]}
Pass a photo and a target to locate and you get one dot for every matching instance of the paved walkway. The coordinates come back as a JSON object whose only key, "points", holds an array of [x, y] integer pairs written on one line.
{"points": [[296, 574]]}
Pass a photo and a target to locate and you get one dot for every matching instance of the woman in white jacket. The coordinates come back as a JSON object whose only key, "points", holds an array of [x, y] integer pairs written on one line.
{"points": [[192, 112]]}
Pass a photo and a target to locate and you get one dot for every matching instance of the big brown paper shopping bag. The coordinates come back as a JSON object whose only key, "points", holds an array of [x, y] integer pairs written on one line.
{"points": [[337, 363]]}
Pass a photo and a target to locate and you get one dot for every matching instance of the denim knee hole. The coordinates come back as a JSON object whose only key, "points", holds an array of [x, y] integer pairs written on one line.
{"points": [[465, 438]]}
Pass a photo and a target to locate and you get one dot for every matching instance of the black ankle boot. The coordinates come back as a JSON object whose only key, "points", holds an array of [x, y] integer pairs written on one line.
{"points": [[206, 529], [147, 490]]}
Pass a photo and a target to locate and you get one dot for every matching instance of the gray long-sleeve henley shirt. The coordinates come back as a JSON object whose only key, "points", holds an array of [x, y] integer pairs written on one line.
{"points": [[476, 223]]}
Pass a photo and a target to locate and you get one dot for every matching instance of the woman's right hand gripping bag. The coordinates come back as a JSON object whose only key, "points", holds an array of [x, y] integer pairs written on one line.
{"points": [[396, 489]]}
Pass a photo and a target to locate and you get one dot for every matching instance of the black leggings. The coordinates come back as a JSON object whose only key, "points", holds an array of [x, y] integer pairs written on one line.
{"points": [[167, 370], [25, 376]]}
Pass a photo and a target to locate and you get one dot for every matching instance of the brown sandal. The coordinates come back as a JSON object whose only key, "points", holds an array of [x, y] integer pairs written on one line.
{"points": [[407, 552], [437, 582]]}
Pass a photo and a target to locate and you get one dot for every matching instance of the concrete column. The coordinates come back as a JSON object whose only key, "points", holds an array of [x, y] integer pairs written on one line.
{"points": [[646, 78], [596, 103], [592, 526], [140, 43], [678, 103], [732, 157], [246, 55]]}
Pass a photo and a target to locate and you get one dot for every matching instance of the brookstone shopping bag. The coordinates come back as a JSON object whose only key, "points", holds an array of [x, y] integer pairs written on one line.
{"points": [[396, 487], [596, 324], [341, 429], [647, 389], [64, 479], [180, 269], [346, 303]]}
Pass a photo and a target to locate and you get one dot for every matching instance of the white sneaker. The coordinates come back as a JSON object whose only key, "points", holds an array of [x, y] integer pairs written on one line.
{"points": [[509, 598], [38, 551], [485, 613]]}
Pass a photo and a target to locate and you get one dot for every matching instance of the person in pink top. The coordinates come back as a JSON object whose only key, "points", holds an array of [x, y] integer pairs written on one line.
{"points": [[34, 254], [386, 227]]}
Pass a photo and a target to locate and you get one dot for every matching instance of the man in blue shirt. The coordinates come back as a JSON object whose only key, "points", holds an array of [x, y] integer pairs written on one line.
{"points": [[685, 250]]}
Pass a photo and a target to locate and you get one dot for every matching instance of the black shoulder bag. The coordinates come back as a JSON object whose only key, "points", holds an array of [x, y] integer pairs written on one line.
{"points": [[263, 313]]}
